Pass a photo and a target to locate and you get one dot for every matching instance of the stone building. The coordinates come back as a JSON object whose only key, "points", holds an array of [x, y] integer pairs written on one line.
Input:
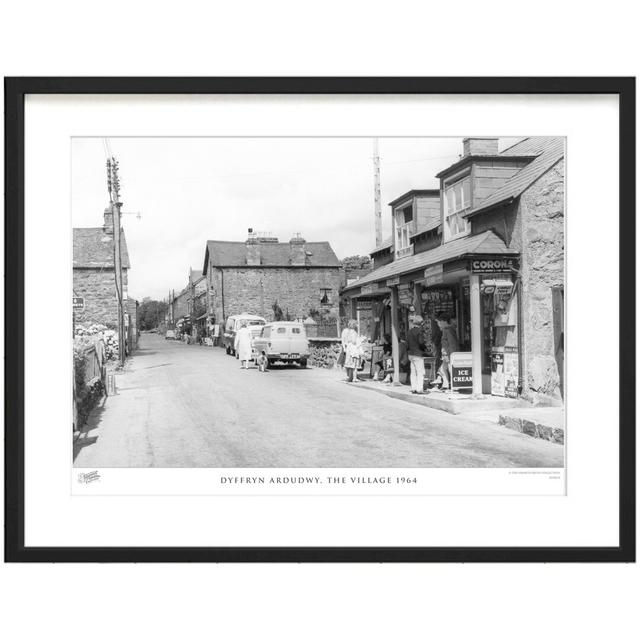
{"points": [[493, 258], [94, 273], [302, 278]]}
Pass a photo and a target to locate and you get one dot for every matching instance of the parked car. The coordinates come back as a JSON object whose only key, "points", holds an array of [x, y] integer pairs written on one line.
{"points": [[282, 342], [233, 324], [170, 335]]}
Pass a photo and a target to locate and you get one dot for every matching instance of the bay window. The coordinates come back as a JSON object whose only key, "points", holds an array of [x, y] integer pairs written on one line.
{"points": [[403, 220], [457, 200]]}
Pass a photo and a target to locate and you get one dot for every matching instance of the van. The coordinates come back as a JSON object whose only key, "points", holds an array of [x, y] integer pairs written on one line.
{"points": [[232, 325], [283, 342]]}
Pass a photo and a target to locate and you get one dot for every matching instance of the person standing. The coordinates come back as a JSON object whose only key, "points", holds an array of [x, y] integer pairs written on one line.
{"points": [[448, 345], [349, 341], [349, 335], [242, 345], [416, 351]]}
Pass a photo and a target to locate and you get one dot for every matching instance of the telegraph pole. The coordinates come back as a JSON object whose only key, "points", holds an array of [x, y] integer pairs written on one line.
{"points": [[113, 181], [376, 193]]}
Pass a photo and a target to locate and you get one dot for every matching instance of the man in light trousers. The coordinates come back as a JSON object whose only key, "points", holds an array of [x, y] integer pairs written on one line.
{"points": [[416, 352]]}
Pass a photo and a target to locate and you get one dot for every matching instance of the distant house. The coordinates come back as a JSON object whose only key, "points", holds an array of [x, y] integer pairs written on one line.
{"points": [[301, 277], [94, 273]]}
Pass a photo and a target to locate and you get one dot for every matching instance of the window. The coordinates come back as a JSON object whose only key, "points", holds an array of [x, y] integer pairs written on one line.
{"points": [[325, 296], [266, 332], [282, 330], [296, 330], [404, 226], [457, 200]]}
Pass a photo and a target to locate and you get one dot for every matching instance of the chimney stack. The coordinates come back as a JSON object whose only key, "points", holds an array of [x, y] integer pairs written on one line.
{"points": [[297, 251], [480, 146], [253, 250], [108, 221]]}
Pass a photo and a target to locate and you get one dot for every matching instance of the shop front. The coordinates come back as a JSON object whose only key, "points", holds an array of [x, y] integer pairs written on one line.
{"points": [[479, 294]]}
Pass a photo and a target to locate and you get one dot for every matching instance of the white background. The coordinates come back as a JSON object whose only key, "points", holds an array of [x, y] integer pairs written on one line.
{"points": [[320, 601], [587, 516]]}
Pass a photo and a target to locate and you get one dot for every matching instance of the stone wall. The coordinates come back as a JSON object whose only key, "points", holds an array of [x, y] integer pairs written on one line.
{"points": [[98, 288], [324, 353], [254, 290], [542, 215]]}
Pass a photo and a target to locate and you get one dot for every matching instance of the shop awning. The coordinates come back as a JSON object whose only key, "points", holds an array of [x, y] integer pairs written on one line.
{"points": [[486, 243]]}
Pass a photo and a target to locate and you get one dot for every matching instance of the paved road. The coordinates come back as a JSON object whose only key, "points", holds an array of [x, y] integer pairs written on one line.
{"points": [[190, 406]]}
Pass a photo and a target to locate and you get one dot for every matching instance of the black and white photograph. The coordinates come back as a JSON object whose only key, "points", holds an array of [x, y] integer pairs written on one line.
{"points": [[318, 302]]}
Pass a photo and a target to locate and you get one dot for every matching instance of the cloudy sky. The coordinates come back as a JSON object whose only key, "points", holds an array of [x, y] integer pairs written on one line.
{"points": [[190, 190]]}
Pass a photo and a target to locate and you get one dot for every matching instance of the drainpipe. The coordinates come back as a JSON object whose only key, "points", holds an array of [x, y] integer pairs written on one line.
{"points": [[224, 318]]}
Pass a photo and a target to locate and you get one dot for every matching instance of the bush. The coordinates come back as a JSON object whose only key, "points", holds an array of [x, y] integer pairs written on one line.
{"points": [[109, 336]]}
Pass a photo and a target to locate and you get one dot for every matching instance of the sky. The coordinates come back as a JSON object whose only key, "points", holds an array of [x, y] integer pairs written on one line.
{"points": [[190, 190]]}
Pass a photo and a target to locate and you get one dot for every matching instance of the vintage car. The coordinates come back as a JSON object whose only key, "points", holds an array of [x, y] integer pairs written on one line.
{"points": [[232, 325], [282, 342], [170, 335]]}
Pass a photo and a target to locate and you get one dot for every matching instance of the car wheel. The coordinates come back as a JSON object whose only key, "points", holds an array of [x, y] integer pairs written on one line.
{"points": [[303, 363]]}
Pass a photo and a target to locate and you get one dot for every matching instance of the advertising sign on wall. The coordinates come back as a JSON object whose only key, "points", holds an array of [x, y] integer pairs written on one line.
{"points": [[494, 265]]}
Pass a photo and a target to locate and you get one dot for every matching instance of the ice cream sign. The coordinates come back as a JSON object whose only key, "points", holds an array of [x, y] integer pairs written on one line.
{"points": [[461, 370]]}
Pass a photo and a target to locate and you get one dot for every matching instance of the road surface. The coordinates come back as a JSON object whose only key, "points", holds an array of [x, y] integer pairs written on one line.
{"points": [[184, 405]]}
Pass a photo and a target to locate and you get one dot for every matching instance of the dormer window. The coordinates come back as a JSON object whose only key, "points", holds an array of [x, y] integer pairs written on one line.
{"points": [[403, 218], [457, 200]]}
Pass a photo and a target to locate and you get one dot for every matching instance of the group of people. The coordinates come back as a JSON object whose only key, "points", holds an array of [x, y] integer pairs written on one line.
{"points": [[412, 350], [416, 349]]}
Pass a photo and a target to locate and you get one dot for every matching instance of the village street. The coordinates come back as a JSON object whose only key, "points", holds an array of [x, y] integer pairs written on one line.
{"points": [[182, 405]]}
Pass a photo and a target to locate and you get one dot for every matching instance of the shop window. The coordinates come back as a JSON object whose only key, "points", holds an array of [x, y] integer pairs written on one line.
{"points": [[457, 200], [403, 219]]}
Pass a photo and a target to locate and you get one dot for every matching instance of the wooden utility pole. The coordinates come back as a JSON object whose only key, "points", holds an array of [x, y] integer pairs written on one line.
{"points": [[376, 194], [113, 182]]}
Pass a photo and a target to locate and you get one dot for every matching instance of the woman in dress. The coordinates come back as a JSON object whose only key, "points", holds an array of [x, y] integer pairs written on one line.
{"points": [[351, 349], [242, 345]]}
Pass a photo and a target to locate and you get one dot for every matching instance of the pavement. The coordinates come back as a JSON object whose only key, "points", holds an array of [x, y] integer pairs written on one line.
{"points": [[181, 405]]}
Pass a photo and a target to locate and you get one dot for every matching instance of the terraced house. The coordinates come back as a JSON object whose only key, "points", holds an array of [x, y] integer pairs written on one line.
{"points": [[94, 274], [261, 275], [487, 247]]}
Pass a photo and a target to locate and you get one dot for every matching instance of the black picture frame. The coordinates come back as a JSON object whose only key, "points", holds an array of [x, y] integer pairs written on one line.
{"points": [[15, 91]]}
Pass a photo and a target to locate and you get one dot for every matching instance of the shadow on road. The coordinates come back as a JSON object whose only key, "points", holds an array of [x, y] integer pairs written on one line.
{"points": [[83, 439]]}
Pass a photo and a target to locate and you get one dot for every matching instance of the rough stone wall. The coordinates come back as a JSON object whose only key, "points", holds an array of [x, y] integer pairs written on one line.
{"points": [[542, 215], [254, 290], [98, 288]]}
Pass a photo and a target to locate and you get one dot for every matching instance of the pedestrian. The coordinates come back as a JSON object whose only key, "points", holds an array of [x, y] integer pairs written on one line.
{"points": [[416, 350], [349, 334], [378, 364], [242, 345], [352, 357], [448, 345], [262, 362]]}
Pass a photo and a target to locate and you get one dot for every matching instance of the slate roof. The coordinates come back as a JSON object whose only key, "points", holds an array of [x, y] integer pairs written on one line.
{"points": [[386, 244], [93, 249], [486, 243], [415, 193], [273, 254], [548, 151]]}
